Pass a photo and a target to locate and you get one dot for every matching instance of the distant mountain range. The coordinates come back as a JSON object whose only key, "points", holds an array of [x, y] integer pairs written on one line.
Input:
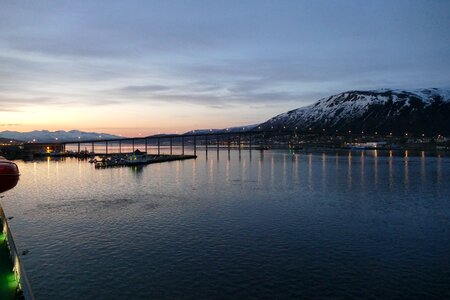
{"points": [[44, 136], [421, 111]]}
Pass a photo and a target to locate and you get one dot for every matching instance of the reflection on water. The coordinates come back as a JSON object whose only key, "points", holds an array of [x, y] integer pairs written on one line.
{"points": [[271, 225]]}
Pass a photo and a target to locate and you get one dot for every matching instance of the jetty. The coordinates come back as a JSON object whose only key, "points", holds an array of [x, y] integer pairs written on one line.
{"points": [[135, 159]]}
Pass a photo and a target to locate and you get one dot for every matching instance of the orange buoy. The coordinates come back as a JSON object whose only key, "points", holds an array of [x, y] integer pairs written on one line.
{"points": [[9, 174]]}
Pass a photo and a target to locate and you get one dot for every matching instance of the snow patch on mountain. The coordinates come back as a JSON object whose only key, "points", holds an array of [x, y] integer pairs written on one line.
{"points": [[353, 104]]}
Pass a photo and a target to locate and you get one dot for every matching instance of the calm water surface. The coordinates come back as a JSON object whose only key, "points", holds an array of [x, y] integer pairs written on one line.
{"points": [[270, 225]]}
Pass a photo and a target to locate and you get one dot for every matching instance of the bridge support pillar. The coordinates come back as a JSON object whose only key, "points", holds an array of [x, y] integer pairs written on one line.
{"points": [[195, 145], [239, 142], [217, 143], [171, 146], [182, 145], [159, 146]]}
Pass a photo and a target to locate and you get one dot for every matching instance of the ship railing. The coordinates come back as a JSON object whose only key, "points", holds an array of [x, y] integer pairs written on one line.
{"points": [[19, 271]]}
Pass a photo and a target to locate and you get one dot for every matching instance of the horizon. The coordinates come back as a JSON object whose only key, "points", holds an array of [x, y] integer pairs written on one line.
{"points": [[147, 68]]}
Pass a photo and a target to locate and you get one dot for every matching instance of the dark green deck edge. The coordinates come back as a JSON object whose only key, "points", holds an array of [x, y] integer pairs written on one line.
{"points": [[8, 281]]}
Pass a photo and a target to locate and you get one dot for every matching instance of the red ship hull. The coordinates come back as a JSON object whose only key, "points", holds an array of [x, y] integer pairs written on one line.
{"points": [[9, 175]]}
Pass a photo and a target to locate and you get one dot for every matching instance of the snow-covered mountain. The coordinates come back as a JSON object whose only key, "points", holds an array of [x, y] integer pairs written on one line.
{"points": [[43, 136], [397, 111]]}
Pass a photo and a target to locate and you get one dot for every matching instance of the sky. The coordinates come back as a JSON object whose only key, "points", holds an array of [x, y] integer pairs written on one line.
{"points": [[144, 67]]}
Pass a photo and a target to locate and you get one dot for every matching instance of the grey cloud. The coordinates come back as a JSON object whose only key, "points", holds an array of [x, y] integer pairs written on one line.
{"points": [[217, 54], [144, 88]]}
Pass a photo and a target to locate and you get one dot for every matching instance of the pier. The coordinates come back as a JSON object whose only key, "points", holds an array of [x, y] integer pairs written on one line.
{"points": [[120, 160]]}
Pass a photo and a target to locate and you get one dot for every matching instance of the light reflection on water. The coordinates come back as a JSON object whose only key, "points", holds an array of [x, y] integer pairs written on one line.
{"points": [[261, 224]]}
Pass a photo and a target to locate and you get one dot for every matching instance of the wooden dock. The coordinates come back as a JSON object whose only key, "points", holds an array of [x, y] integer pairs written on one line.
{"points": [[127, 160]]}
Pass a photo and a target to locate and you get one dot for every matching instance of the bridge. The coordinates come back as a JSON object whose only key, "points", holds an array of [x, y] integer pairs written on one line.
{"points": [[245, 139]]}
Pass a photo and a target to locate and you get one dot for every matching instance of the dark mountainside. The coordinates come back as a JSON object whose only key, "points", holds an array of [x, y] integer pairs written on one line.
{"points": [[425, 111]]}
